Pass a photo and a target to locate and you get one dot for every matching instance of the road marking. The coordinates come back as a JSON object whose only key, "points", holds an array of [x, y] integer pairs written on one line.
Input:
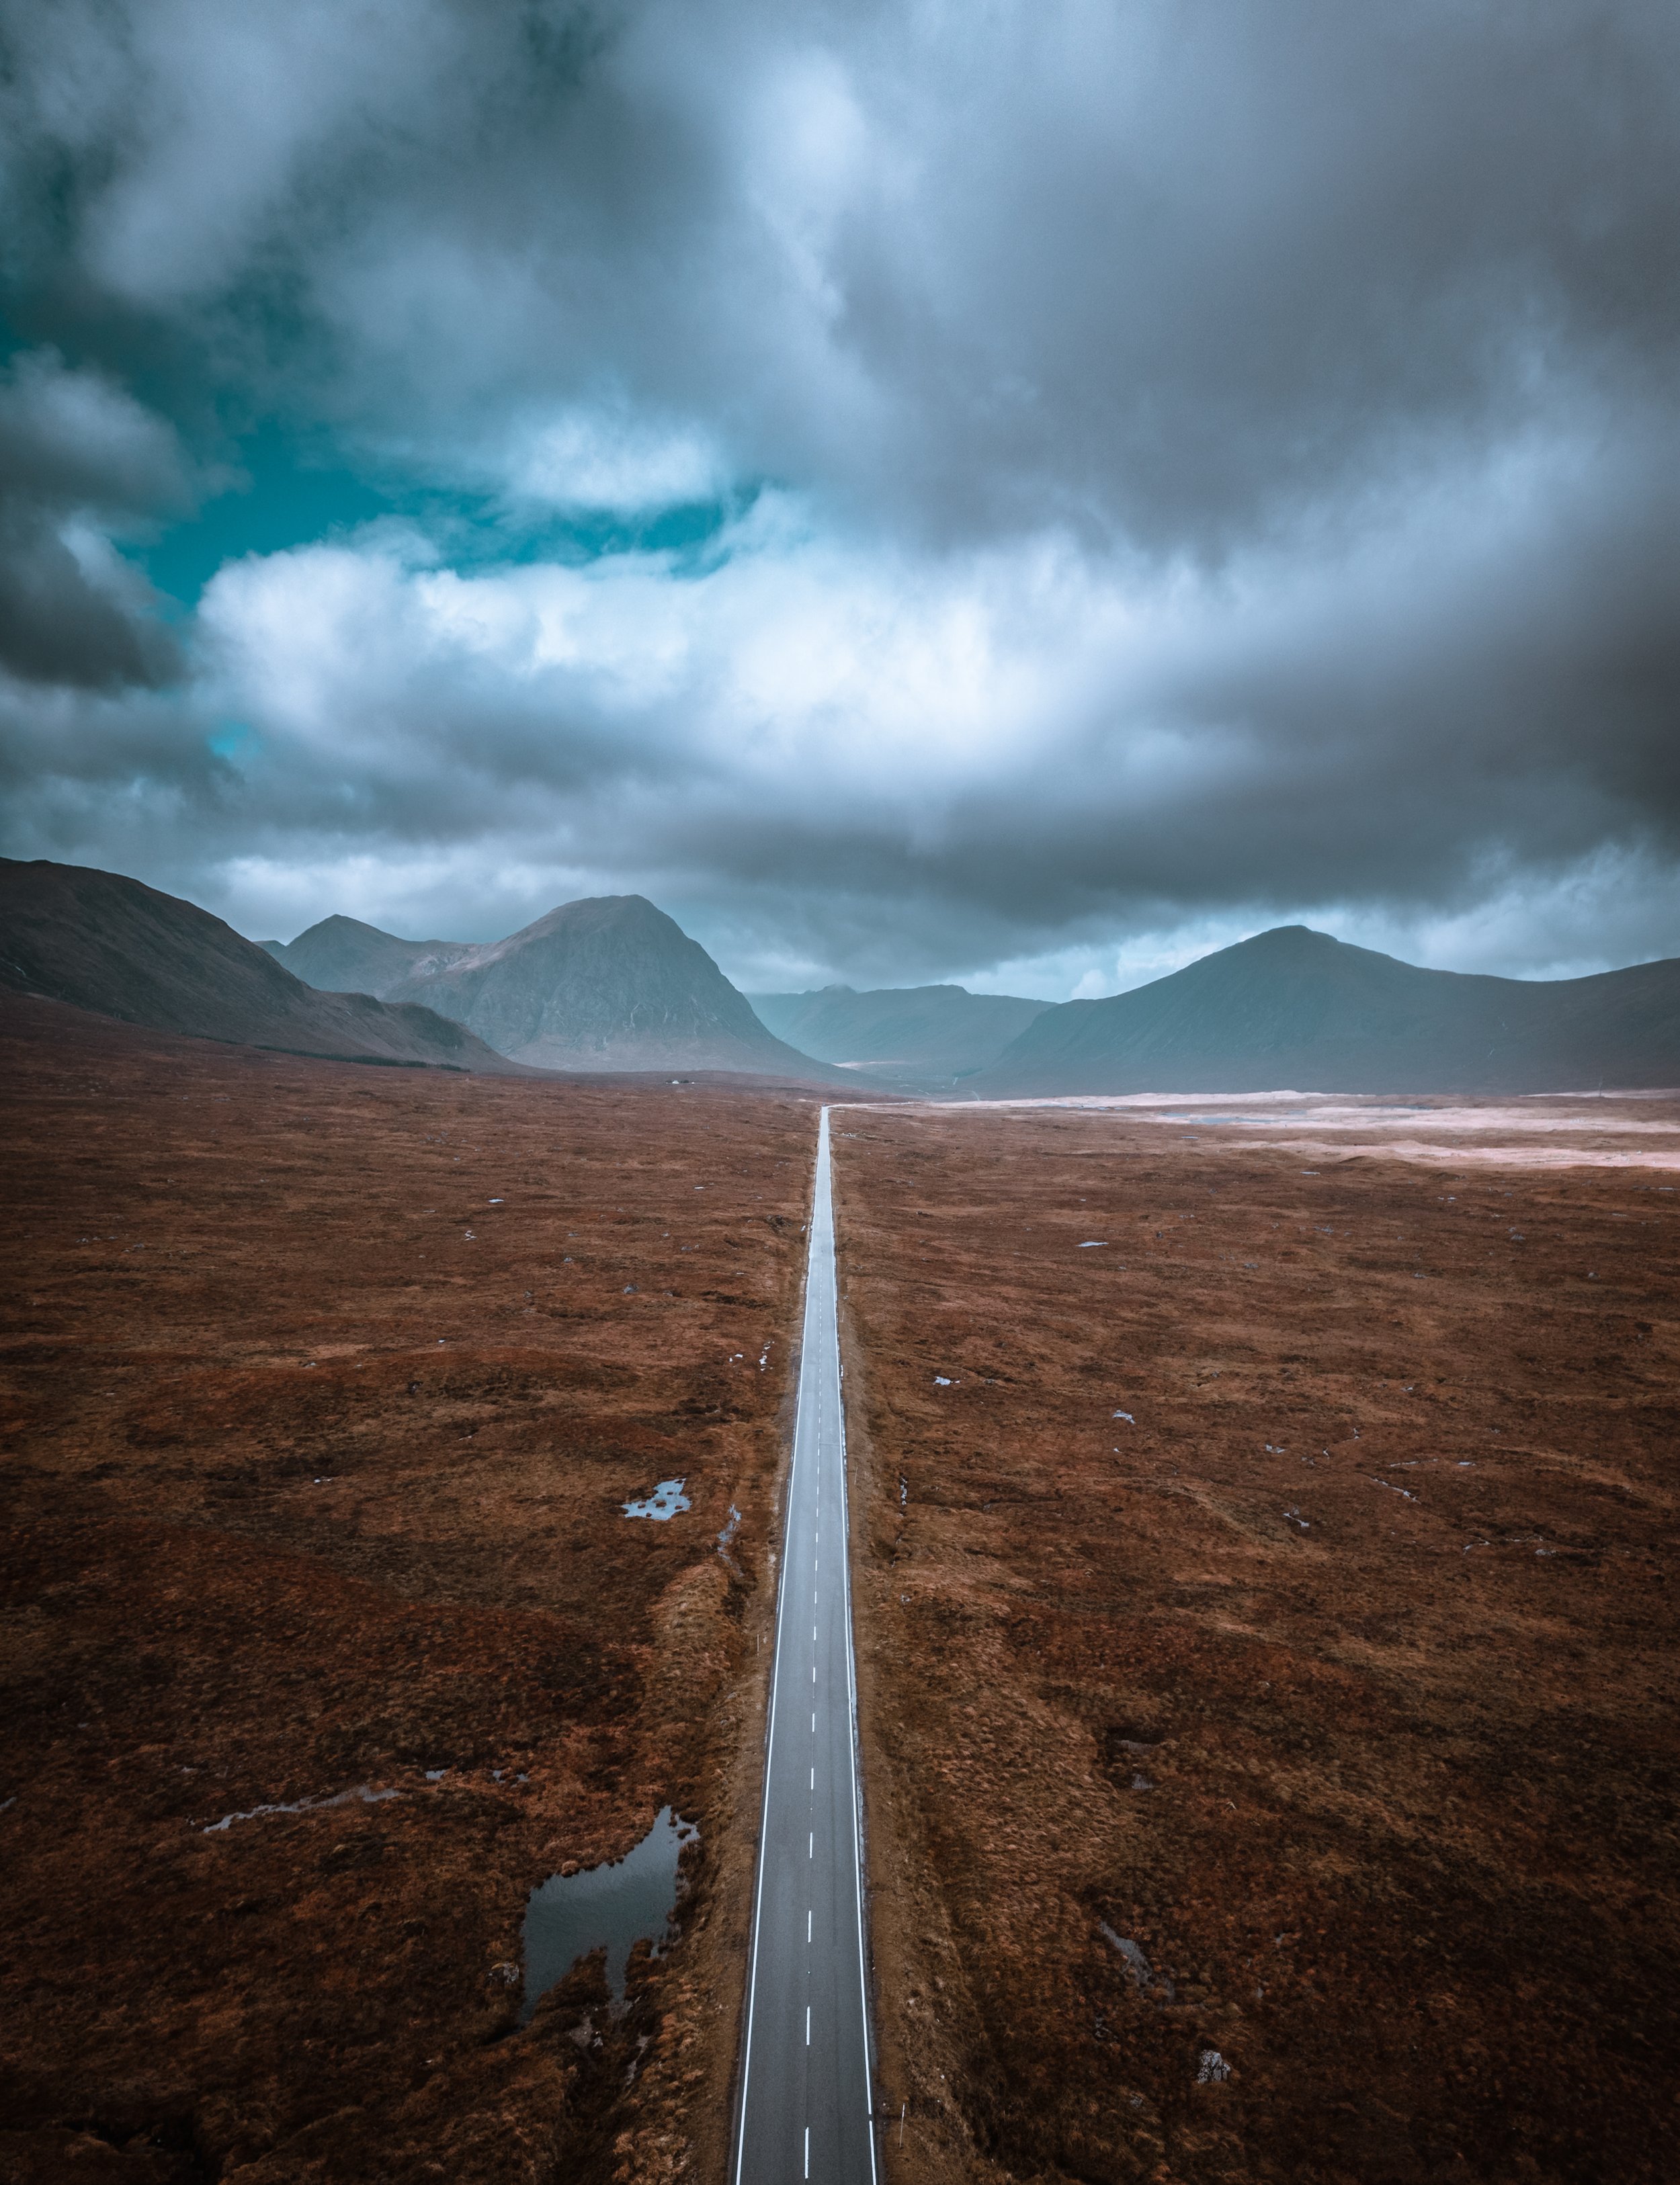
{"points": [[766, 2116], [852, 1739]]}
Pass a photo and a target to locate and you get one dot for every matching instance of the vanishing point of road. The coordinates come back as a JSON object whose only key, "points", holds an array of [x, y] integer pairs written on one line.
{"points": [[807, 2105]]}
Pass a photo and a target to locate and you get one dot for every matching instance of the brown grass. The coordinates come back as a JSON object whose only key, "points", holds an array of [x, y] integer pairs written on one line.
{"points": [[1337, 1682], [313, 1466]]}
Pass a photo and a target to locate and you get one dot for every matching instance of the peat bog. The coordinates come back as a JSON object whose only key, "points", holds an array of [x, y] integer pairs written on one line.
{"points": [[1262, 1559], [1266, 1631], [325, 1390]]}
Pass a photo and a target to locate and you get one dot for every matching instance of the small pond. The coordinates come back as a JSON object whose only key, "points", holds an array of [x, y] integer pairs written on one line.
{"points": [[666, 1499], [612, 1906]]}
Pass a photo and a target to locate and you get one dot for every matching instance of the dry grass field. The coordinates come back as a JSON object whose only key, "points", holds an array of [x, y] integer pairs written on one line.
{"points": [[321, 1389], [1267, 1619], [1263, 1537]]}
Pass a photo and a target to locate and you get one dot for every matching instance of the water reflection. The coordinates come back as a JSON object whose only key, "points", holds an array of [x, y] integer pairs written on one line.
{"points": [[611, 1906]]}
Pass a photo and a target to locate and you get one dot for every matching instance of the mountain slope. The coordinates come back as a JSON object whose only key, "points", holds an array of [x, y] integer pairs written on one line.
{"points": [[342, 956], [105, 943], [907, 1035], [1296, 1010], [608, 983]]}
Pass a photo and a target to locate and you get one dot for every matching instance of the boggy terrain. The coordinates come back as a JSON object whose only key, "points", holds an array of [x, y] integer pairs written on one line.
{"points": [[324, 1387], [1266, 1602]]}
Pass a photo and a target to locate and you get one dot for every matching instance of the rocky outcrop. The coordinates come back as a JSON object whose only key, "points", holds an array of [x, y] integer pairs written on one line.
{"points": [[608, 983]]}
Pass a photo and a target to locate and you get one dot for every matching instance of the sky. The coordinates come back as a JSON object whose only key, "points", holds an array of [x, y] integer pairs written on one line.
{"points": [[1021, 491]]}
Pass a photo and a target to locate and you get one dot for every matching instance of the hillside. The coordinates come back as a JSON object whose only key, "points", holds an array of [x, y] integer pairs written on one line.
{"points": [[1296, 1010], [912, 1036], [70, 933], [342, 956], [608, 983]]}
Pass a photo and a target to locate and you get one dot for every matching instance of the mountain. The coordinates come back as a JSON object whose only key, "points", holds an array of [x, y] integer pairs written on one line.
{"points": [[1296, 1010], [71, 934], [342, 956], [912, 1036], [606, 983]]}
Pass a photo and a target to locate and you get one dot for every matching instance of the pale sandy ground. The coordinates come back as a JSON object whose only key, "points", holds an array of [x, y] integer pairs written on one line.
{"points": [[1614, 1130]]}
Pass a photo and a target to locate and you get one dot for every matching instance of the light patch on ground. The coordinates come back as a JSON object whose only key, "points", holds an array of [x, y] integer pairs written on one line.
{"points": [[1586, 1130]]}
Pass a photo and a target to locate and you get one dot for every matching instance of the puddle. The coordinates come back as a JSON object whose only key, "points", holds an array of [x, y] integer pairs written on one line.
{"points": [[666, 1499], [612, 1906], [363, 1791], [1142, 1976]]}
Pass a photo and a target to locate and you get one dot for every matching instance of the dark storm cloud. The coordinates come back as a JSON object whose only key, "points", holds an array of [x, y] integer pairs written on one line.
{"points": [[1161, 268], [77, 457], [1244, 258], [1332, 347]]}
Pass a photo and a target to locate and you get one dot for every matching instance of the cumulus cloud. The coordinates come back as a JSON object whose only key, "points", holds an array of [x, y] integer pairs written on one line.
{"points": [[627, 465], [1168, 468]]}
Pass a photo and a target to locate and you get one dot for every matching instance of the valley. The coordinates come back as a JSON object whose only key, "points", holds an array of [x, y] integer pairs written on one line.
{"points": [[1262, 1533], [839, 1094]]}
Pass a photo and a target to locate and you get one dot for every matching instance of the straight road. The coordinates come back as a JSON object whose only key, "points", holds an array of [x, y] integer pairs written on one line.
{"points": [[806, 2108]]}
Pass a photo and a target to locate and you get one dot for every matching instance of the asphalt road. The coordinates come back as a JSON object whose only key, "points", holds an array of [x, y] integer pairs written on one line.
{"points": [[806, 2101]]}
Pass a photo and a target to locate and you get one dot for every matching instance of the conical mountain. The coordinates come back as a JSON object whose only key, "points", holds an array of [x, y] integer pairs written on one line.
{"points": [[1293, 1010], [606, 983]]}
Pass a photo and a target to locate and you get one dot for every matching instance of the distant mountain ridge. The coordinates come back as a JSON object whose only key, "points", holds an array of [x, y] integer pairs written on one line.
{"points": [[914, 1038], [102, 942], [1296, 1010], [611, 983], [342, 956], [606, 983]]}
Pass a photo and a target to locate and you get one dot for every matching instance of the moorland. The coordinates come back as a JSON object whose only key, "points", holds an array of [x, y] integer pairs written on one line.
{"points": [[324, 1389], [1265, 1566], [1264, 1538]]}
